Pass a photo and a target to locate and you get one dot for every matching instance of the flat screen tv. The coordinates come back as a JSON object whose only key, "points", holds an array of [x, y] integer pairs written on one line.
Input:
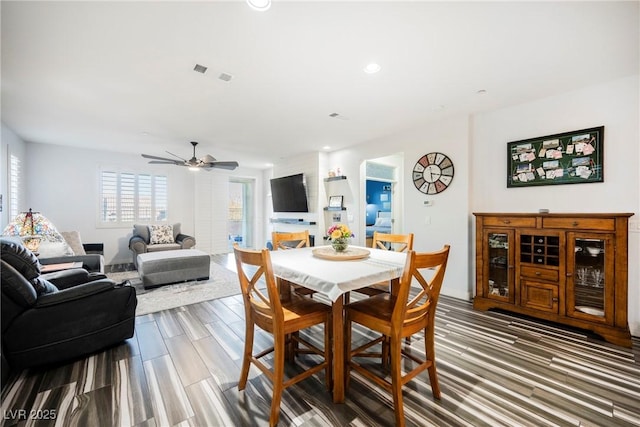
{"points": [[289, 194]]}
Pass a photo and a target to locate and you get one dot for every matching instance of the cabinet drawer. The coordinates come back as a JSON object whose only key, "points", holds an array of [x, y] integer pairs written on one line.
{"points": [[509, 221], [539, 273], [604, 224]]}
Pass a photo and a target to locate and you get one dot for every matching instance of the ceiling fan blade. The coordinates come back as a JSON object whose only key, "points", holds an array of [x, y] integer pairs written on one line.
{"points": [[222, 165], [148, 156], [208, 159], [175, 155], [167, 162], [207, 162]]}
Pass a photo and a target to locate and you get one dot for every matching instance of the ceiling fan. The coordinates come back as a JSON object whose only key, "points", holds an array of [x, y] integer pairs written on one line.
{"points": [[207, 162]]}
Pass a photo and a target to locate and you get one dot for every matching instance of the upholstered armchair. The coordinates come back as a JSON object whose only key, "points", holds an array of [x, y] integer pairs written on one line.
{"points": [[153, 238], [51, 318]]}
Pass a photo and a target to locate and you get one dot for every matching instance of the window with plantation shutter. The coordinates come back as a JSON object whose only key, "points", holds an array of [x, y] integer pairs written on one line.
{"points": [[14, 186], [127, 197]]}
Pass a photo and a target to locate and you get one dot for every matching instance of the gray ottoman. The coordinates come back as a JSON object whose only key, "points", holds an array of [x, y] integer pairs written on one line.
{"points": [[165, 267]]}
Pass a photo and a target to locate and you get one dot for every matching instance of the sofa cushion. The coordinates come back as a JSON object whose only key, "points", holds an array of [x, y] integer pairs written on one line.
{"points": [[74, 241], [159, 234], [20, 258], [163, 247]]}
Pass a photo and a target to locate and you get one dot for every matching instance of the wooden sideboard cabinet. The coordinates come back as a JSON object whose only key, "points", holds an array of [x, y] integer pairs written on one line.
{"points": [[565, 268]]}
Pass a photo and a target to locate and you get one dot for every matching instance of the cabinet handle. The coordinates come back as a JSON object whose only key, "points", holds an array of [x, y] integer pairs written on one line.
{"points": [[554, 299], [575, 223], [569, 274], [538, 273], [506, 221]]}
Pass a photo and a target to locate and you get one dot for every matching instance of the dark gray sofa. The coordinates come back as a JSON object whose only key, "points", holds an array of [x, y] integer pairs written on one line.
{"points": [[56, 317], [141, 242]]}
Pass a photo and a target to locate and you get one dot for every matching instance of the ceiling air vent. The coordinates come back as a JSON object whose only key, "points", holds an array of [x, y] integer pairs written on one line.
{"points": [[225, 77], [200, 68]]}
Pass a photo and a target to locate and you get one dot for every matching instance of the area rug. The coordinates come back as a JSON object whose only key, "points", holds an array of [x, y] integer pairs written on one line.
{"points": [[222, 283]]}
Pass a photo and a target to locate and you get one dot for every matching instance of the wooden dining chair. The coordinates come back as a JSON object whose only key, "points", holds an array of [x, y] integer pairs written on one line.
{"points": [[291, 240], [391, 242], [282, 319], [397, 316]]}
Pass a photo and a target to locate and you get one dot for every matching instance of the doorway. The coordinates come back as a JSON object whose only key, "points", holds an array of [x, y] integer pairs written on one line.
{"points": [[240, 217], [382, 201]]}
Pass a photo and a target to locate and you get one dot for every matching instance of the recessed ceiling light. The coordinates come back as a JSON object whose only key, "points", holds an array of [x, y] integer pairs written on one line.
{"points": [[481, 92], [260, 5], [326, 147], [372, 68]]}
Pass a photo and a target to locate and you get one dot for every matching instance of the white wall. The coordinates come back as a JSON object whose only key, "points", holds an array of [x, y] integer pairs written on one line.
{"points": [[477, 146], [616, 106], [63, 185], [307, 164], [63, 181], [446, 222], [11, 144]]}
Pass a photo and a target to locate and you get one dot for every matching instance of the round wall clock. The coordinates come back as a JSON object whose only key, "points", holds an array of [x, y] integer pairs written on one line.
{"points": [[433, 173]]}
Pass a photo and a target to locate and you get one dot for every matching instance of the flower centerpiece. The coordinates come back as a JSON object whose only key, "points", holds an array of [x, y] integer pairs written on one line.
{"points": [[339, 234]]}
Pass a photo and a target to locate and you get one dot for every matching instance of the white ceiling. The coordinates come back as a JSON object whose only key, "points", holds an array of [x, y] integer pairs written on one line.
{"points": [[119, 75]]}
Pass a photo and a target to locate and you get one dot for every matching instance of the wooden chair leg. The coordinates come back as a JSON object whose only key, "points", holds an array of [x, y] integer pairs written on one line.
{"points": [[385, 353], [347, 353], [429, 348], [246, 357], [327, 354], [396, 381], [278, 379]]}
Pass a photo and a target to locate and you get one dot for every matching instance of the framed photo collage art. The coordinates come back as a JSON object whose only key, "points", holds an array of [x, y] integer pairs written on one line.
{"points": [[565, 158]]}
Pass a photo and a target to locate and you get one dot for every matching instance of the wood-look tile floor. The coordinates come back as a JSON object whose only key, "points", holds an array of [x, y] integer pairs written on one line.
{"points": [[182, 366]]}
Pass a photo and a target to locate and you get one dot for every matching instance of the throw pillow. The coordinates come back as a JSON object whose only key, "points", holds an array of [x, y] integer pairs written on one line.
{"points": [[49, 249], [43, 286], [74, 241], [159, 234]]}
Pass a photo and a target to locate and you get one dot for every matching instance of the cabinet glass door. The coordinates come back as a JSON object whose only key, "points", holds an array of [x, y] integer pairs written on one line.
{"points": [[499, 273], [590, 282]]}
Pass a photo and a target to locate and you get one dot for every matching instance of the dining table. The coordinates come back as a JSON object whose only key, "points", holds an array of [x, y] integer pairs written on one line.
{"points": [[335, 277]]}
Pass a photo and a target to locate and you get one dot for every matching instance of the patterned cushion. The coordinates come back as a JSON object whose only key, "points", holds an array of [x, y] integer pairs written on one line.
{"points": [[160, 234]]}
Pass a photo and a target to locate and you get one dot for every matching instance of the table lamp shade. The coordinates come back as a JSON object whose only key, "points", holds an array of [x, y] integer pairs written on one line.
{"points": [[32, 227]]}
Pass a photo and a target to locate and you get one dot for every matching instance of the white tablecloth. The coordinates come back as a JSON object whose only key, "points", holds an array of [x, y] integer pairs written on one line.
{"points": [[334, 278]]}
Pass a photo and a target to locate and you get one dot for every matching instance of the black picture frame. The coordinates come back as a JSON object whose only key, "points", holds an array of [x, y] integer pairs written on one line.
{"points": [[575, 157]]}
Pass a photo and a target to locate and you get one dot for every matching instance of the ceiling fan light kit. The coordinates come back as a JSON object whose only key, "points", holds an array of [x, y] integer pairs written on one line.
{"points": [[207, 162]]}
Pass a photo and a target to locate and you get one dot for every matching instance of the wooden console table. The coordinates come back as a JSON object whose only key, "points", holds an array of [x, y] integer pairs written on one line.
{"points": [[566, 268]]}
